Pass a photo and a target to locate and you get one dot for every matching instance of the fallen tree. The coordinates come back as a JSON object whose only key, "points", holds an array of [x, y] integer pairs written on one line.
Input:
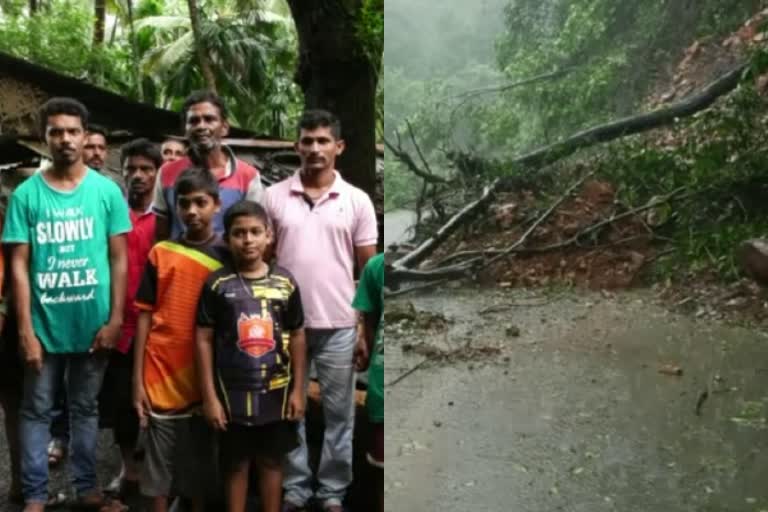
{"points": [[404, 269]]}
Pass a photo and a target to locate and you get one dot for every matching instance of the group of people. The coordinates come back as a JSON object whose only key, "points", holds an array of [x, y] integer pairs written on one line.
{"points": [[184, 312]]}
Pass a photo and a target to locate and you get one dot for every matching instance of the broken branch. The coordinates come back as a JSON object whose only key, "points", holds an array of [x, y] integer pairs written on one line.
{"points": [[410, 163], [634, 124], [479, 258], [542, 218], [428, 246], [513, 85]]}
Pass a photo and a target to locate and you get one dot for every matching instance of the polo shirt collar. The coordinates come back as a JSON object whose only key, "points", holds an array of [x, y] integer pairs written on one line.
{"points": [[297, 187], [146, 212]]}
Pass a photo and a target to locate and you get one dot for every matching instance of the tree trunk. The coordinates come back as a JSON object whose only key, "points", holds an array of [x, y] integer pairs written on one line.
{"points": [[202, 56], [33, 7], [335, 74], [99, 22], [134, 52]]}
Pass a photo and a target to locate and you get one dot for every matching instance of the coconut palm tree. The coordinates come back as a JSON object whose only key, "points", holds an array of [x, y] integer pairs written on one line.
{"points": [[250, 57]]}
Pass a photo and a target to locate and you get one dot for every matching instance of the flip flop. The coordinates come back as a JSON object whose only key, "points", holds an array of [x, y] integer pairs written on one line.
{"points": [[56, 500], [99, 502], [57, 452], [122, 488]]}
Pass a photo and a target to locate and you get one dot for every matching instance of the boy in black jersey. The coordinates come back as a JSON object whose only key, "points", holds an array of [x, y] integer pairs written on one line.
{"points": [[251, 356]]}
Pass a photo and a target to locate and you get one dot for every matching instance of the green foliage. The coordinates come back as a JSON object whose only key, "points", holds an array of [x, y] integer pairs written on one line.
{"points": [[720, 154], [251, 57], [253, 53], [63, 42], [617, 51], [371, 31]]}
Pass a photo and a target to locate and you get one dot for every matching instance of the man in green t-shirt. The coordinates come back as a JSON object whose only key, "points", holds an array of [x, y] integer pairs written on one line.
{"points": [[66, 225], [369, 300]]}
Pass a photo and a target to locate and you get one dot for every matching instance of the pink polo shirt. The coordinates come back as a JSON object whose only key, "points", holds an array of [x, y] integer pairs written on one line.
{"points": [[317, 245]]}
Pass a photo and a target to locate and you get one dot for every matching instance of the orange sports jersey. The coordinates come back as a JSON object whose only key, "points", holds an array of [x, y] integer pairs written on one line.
{"points": [[170, 288]]}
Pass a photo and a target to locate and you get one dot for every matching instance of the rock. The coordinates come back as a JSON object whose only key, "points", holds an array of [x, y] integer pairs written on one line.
{"points": [[668, 96], [761, 84], [407, 315], [505, 215], [396, 312], [736, 303], [512, 331], [752, 257], [658, 215], [598, 192], [671, 369]]}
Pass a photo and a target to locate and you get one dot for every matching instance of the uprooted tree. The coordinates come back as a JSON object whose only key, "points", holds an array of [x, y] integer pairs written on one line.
{"points": [[406, 268]]}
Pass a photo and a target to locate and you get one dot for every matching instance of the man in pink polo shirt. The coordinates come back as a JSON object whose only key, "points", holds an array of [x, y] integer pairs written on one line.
{"points": [[323, 226]]}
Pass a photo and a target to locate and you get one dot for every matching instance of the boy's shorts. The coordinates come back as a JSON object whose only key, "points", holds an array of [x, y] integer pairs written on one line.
{"points": [[375, 453], [116, 410], [272, 441], [179, 457]]}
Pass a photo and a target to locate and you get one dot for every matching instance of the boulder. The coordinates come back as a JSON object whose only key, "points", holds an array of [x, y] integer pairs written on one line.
{"points": [[752, 257]]}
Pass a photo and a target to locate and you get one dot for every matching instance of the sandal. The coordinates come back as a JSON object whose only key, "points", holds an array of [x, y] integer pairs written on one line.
{"points": [[57, 452], [97, 502], [56, 500], [122, 488]]}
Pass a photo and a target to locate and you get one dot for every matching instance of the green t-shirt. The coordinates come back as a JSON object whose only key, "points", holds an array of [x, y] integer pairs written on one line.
{"points": [[69, 268], [369, 298]]}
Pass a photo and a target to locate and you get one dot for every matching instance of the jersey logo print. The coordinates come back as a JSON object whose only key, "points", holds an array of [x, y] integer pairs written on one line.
{"points": [[255, 335]]}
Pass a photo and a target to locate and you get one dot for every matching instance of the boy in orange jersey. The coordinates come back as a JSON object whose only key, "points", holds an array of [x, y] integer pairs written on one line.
{"points": [[166, 391]]}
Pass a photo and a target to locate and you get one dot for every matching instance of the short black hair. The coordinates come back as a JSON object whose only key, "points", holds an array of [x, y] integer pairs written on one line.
{"points": [[203, 96], [141, 147], [58, 106], [196, 179], [244, 208], [317, 118], [97, 129]]}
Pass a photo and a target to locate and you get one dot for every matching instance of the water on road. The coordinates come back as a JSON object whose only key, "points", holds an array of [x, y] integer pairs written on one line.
{"points": [[573, 414]]}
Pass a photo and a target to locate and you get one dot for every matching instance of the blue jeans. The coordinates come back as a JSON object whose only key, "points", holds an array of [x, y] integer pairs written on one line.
{"points": [[332, 351], [81, 375]]}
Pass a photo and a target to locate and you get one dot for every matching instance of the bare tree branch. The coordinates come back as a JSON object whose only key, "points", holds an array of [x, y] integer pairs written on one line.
{"points": [[407, 159], [541, 219], [418, 148], [478, 259], [513, 85], [425, 249]]}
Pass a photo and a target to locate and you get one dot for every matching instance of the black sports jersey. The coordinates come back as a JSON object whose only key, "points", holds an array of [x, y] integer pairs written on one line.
{"points": [[252, 320]]}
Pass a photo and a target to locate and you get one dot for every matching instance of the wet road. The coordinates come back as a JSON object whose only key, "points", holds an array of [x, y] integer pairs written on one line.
{"points": [[578, 418], [396, 224]]}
